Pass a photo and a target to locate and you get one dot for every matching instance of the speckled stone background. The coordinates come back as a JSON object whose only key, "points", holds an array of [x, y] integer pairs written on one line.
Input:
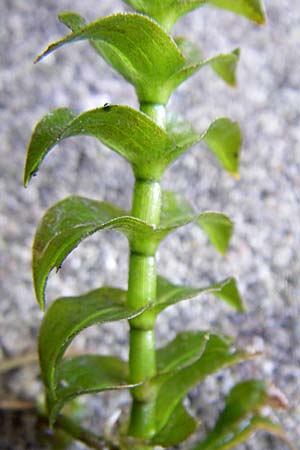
{"points": [[264, 204]]}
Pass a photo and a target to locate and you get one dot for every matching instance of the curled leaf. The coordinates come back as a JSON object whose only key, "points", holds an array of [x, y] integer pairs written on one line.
{"points": [[179, 427], [67, 317], [224, 65], [241, 417], [169, 11], [174, 386], [169, 294], [73, 219], [128, 132], [147, 64], [218, 228], [87, 374], [181, 351], [223, 137]]}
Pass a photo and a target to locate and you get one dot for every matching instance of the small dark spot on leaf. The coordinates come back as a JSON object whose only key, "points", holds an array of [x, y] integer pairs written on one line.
{"points": [[107, 107]]}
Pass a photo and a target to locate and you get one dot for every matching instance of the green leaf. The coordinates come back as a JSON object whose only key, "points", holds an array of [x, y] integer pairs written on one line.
{"points": [[46, 134], [223, 137], [87, 374], [169, 294], [175, 209], [67, 316], [169, 11], [218, 228], [72, 20], [128, 132], [218, 353], [181, 351], [73, 219], [182, 132], [178, 211], [252, 9], [240, 418], [147, 64], [134, 136], [224, 65], [179, 427]]}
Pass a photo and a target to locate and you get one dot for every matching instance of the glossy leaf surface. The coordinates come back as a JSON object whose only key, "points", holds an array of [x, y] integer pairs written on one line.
{"points": [[67, 316], [167, 12], [240, 417], [123, 129], [181, 351], [180, 426], [135, 46], [87, 374], [71, 220], [173, 388], [169, 294]]}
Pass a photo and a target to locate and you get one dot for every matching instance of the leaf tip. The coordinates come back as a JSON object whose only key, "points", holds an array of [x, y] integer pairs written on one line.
{"points": [[262, 20], [37, 58], [235, 175], [277, 399]]}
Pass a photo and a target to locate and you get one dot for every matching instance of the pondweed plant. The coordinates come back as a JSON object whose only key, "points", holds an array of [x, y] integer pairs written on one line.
{"points": [[138, 45]]}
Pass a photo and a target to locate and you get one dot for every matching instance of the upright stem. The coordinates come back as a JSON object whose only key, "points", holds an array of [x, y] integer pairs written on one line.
{"points": [[142, 291]]}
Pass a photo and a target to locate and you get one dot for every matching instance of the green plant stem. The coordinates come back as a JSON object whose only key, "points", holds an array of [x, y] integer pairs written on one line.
{"points": [[142, 291]]}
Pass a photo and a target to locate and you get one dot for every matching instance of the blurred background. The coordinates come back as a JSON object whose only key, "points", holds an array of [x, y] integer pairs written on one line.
{"points": [[264, 204]]}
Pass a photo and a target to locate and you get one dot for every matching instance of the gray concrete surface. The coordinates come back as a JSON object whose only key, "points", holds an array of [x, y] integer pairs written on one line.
{"points": [[264, 204]]}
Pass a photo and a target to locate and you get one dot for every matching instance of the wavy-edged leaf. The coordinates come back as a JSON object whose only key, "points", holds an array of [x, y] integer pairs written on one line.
{"points": [[169, 294], [218, 228], [128, 132], [87, 374], [181, 351], [169, 11], [136, 46], [223, 137], [173, 387], [240, 418], [180, 426], [73, 219], [67, 316]]}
